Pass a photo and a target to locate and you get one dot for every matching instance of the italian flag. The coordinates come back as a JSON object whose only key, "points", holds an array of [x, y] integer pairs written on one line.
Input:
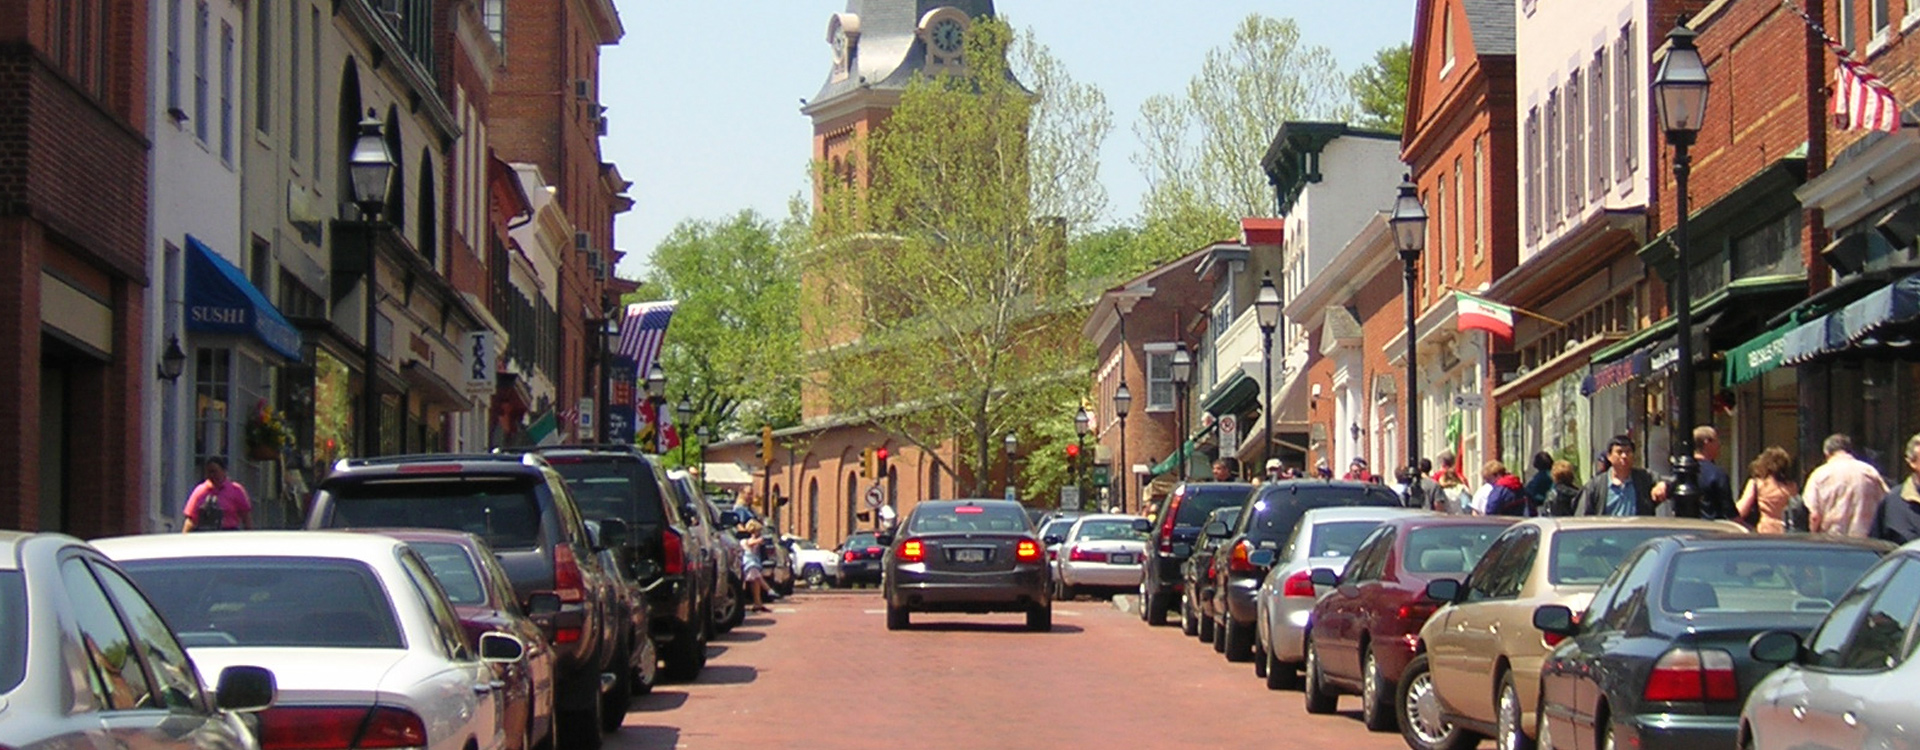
{"points": [[1476, 314]]}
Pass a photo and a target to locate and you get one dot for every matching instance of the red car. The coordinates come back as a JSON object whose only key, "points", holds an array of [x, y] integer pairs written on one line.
{"points": [[482, 599], [1366, 628]]}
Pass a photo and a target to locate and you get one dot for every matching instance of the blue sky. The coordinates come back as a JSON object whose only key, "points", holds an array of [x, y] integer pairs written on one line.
{"points": [[704, 96]]}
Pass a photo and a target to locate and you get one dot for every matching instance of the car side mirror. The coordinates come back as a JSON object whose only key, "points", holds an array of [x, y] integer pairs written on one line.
{"points": [[1215, 529], [245, 689], [1261, 557], [1142, 525], [1325, 577], [1775, 647], [885, 540], [1053, 539], [729, 518], [614, 533], [501, 648], [1555, 619], [543, 603], [1443, 590], [693, 515], [593, 536]]}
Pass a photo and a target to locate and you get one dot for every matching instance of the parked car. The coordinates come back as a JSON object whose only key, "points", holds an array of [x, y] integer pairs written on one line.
{"points": [[1363, 629], [87, 661], [524, 511], [1174, 534], [1197, 614], [730, 608], [1266, 523], [1850, 684], [358, 634], [966, 556], [1053, 532], [776, 564], [666, 550], [1102, 553], [812, 564], [860, 556], [1483, 643], [1660, 660], [483, 599], [1325, 538]]}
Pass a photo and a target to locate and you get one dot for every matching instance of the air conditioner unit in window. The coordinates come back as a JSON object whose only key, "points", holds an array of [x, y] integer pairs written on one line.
{"points": [[582, 89], [600, 125], [582, 241], [598, 266]]}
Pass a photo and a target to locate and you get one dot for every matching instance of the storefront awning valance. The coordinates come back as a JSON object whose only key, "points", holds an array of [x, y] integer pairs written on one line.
{"points": [[220, 299], [1186, 448], [1893, 304], [1232, 397], [1760, 355]]}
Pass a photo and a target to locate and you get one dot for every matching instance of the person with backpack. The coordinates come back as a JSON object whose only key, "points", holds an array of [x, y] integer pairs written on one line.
{"points": [[218, 504]]}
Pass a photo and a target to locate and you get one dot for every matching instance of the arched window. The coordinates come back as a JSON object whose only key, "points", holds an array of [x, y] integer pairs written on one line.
{"points": [[428, 237], [813, 509], [893, 487], [853, 484], [351, 112], [396, 213], [933, 480]]}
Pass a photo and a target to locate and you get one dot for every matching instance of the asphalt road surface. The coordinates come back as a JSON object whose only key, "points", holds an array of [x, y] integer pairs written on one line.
{"points": [[822, 671]]}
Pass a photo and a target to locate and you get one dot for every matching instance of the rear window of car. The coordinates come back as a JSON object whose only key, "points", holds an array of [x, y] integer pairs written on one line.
{"points": [[929, 519], [1115, 530], [270, 601], [1448, 549], [13, 629], [1340, 539], [504, 510], [1278, 508], [862, 539], [612, 489], [1201, 500], [453, 568], [1057, 527], [1588, 556], [1763, 581]]}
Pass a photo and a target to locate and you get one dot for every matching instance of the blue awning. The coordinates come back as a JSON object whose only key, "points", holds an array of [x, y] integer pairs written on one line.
{"points": [[220, 299], [1895, 303]]}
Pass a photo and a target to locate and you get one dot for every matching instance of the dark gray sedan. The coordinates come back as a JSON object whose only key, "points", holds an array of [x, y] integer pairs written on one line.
{"points": [[966, 556], [86, 661]]}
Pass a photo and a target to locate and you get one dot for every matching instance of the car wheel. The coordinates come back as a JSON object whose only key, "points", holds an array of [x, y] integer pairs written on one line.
{"points": [[739, 614], [1189, 625], [1543, 732], [1280, 675], [1319, 699], [646, 670], [685, 655], [1040, 617], [816, 577], [897, 617], [1219, 638], [1508, 735], [1259, 659], [580, 729], [1607, 735], [1376, 702], [616, 700], [1239, 641], [1418, 710], [1157, 608]]}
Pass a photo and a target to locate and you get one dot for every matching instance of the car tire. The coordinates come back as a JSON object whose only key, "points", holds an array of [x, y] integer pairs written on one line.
{"points": [[1157, 607], [1376, 698], [724, 609], [1040, 617], [739, 605], [685, 655], [1417, 708], [1238, 644], [1259, 659], [1509, 735], [616, 700], [580, 730], [1189, 625], [1543, 732], [1280, 675], [646, 669], [1319, 700], [897, 617], [1219, 640], [816, 576]]}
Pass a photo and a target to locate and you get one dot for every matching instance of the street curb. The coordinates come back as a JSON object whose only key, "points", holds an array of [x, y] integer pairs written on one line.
{"points": [[1128, 603]]}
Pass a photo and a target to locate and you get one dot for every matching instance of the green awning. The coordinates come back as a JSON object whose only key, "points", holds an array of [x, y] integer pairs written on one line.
{"points": [[1708, 305], [1758, 356], [1174, 459], [1233, 396]]}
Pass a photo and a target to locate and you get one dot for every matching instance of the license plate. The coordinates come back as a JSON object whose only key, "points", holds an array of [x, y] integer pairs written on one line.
{"points": [[969, 555], [1120, 559]]}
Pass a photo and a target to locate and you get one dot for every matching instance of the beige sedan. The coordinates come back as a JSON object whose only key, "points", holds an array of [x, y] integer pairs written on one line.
{"points": [[1479, 670]]}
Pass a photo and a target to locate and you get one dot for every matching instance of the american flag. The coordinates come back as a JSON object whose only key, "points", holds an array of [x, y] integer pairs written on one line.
{"points": [[1861, 101], [642, 332]]}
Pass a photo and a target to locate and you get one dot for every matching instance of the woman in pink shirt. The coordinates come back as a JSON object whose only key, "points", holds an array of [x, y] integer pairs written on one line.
{"points": [[234, 509]]}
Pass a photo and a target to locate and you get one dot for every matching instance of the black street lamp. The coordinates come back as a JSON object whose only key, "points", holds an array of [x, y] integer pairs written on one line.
{"points": [[683, 412], [609, 342], [657, 396], [1122, 401], [1266, 308], [370, 169], [1409, 222], [1012, 443], [1680, 93], [704, 434], [1082, 424], [173, 363], [1182, 372]]}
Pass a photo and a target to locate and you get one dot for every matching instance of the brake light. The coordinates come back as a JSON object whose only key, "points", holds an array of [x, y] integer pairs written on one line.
{"points": [[340, 728], [1166, 524], [568, 583], [1085, 555], [1690, 674], [912, 551], [1237, 558], [874, 551], [1027, 551], [1415, 613], [429, 469], [849, 556], [967, 509], [673, 547], [1298, 584]]}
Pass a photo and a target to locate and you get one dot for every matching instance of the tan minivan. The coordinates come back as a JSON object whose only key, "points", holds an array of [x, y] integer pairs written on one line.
{"points": [[1478, 673]]}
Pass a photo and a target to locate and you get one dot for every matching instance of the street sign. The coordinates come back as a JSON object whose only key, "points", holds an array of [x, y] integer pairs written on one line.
{"points": [[875, 498], [1069, 498], [1469, 401], [1102, 475], [1229, 434]]}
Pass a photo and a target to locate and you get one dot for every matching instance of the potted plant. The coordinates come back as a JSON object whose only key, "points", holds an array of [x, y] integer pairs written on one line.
{"points": [[267, 433]]}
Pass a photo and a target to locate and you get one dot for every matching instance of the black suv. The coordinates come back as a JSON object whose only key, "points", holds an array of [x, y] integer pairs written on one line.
{"points": [[524, 511], [860, 557], [1266, 523], [1180, 516], [668, 550]]}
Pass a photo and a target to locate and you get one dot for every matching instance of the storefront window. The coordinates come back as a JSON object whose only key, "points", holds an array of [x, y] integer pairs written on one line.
{"points": [[212, 382], [332, 411]]}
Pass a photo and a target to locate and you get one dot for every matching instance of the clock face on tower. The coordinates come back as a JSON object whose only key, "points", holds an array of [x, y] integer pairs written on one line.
{"points": [[947, 35]]}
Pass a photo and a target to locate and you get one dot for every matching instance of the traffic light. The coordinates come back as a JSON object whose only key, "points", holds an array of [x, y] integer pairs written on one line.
{"points": [[766, 443], [868, 463], [1073, 452], [880, 463]]}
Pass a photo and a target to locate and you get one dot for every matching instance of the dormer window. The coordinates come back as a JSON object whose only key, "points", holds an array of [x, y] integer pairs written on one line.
{"points": [[1446, 41]]}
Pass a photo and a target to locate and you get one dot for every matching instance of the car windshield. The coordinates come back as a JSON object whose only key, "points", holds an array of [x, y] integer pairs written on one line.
{"points": [[1057, 527], [1201, 500], [13, 629], [270, 601], [1340, 539], [611, 489], [502, 510], [1110, 530], [928, 519], [1586, 557], [1448, 549], [453, 568], [1763, 581]]}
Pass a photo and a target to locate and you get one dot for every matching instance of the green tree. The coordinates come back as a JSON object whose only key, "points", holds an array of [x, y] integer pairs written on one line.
{"points": [[945, 278], [1380, 88], [733, 346]]}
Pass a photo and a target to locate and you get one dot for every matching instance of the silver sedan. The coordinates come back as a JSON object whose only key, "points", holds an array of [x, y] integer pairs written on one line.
{"points": [[1100, 552], [1325, 538], [356, 629], [87, 662]]}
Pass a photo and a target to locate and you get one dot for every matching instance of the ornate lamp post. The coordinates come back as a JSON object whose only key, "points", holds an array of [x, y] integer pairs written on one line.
{"points": [[1680, 94], [656, 396], [1409, 222], [1122, 401], [1012, 444], [1182, 372], [1082, 423], [704, 435], [370, 169], [1266, 308], [684, 413]]}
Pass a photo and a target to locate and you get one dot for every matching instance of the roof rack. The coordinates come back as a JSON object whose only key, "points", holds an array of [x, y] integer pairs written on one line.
{"points": [[418, 458], [623, 447]]}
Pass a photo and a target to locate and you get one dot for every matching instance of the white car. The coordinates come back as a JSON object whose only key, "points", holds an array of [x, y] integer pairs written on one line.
{"points": [[1101, 552], [358, 634], [812, 564]]}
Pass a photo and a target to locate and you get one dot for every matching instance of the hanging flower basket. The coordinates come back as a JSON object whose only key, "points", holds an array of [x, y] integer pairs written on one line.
{"points": [[266, 433]]}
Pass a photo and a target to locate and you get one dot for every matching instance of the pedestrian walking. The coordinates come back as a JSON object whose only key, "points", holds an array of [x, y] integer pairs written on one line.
{"points": [[1623, 489], [1540, 485], [1844, 494], [1715, 488], [219, 503], [1448, 469], [750, 568], [1565, 491], [1453, 495], [1768, 493], [1274, 470], [1898, 517], [1226, 469], [1357, 471], [1505, 495]]}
